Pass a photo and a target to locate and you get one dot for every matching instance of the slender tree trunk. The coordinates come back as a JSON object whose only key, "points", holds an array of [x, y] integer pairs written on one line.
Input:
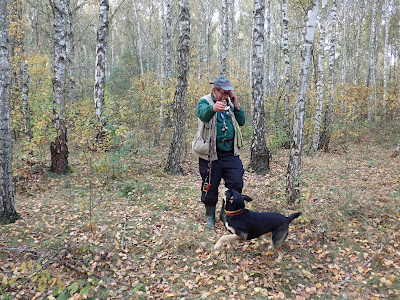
{"points": [[25, 101], [7, 206], [150, 17], [371, 79], [168, 32], [71, 50], [388, 6], [259, 158], [101, 52], [328, 118], [224, 38], [59, 148], [139, 40], [294, 166], [361, 15], [175, 152], [82, 68], [285, 46], [208, 33], [320, 82], [268, 50], [167, 70]]}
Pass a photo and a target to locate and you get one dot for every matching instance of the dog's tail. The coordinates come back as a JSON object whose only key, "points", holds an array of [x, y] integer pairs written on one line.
{"points": [[293, 216]]}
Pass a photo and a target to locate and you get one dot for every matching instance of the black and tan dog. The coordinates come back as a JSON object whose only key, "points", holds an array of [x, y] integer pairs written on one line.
{"points": [[245, 224]]}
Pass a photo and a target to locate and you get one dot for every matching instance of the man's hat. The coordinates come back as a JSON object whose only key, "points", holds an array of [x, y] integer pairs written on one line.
{"points": [[223, 83]]}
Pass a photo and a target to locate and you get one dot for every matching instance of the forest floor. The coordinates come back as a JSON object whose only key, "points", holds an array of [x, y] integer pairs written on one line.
{"points": [[140, 234]]}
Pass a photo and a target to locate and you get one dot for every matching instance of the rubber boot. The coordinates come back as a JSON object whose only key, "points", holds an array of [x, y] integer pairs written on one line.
{"points": [[210, 217], [222, 214]]}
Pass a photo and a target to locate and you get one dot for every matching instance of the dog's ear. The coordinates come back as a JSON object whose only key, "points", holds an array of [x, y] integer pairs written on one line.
{"points": [[247, 198], [228, 194]]}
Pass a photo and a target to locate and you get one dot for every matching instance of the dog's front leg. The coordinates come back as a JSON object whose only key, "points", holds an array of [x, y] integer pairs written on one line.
{"points": [[226, 238]]}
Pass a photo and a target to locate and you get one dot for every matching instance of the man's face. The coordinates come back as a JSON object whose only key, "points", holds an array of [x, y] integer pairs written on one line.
{"points": [[220, 94]]}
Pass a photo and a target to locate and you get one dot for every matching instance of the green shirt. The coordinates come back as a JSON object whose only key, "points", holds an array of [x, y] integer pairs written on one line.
{"points": [[205, 113]]}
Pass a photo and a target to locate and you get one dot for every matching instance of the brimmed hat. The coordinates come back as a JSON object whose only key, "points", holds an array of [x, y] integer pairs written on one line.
{"points": [[223, 83]]}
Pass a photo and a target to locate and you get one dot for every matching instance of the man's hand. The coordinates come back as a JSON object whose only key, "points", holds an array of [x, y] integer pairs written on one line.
{"points": [[234, 99], [219, 106]]}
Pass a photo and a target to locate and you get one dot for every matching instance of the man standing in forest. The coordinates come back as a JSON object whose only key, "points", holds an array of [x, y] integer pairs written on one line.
{"points": [[217, 144]]}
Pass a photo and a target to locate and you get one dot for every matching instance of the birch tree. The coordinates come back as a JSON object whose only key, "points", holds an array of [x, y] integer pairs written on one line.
{"points": [[328, 118], [285, 46], [267, 49], [208, 18], [371, 77], [294, 166], [25, 101], [82, 66], [224, 38], [259, 158], [388, 5], [7, 205], [167, 68], [321, 76], [175, 151], [101, 51], [59, 148], [139, 39], [150, 18], [167, 39], [71, 50], [361, 15]]}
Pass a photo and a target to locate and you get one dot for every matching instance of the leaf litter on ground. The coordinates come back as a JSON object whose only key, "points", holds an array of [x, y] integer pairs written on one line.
{"points": [[142, 235]]}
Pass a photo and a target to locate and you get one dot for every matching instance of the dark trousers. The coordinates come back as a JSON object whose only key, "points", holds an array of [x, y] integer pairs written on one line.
{"points": [[228, 167]]}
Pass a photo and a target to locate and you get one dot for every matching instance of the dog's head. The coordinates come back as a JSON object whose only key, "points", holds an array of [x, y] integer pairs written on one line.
{"points": [[234, 200]]}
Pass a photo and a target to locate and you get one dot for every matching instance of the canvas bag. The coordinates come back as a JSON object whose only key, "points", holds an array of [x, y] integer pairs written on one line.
{"points": [[199, 144]]}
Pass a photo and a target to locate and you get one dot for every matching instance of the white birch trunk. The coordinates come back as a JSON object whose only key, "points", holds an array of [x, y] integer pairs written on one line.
{"points": [[267, 50], [361, 16], [345, 37], [321, 77], [285, 46], [150, 17], [25, 101], [168, 31], [224, 38], [175, 151], [371, 79], [294, 166], [82, 68], [59, 148], [7, 205], [208, 33], [157, 137], [200, 55], [386, 53], [113, 29], [101, 52], [71, 50], [167, 70], [139, 39], [328, 119], [259, 158]]}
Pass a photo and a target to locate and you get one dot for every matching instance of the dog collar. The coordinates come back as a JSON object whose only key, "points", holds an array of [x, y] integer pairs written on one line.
{"points": [[233, 213]]}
